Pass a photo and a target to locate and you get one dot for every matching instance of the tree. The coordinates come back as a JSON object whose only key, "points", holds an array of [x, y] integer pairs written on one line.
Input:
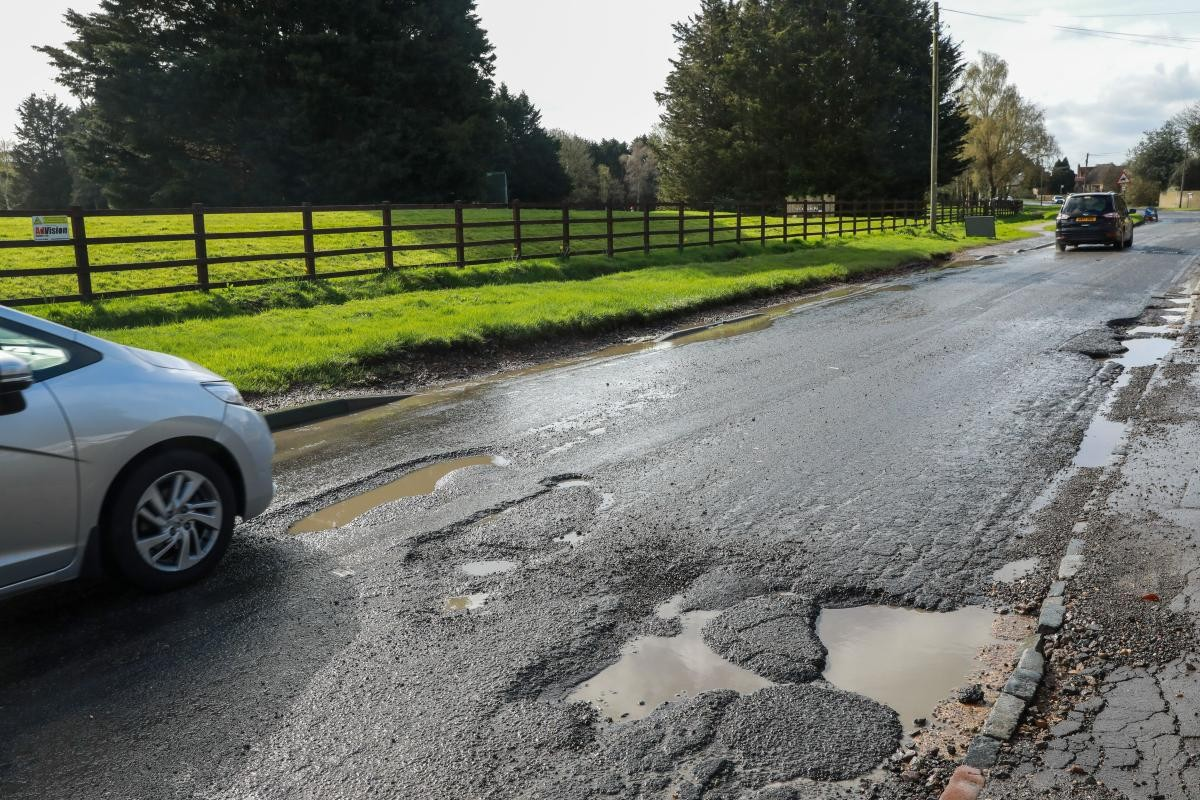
{"points": [[42, 176], [1156, 158], [1062, 177], [775, 97], [8, 176], [528, 154], [245, 101], [640, 166], [575, 155], [1142, 191], [1005, 130]]}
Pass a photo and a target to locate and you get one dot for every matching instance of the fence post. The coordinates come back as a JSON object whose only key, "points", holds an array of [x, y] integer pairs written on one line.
{"points": [[201, 246], [785, 220], [389, 258], [739, 223], [518, 249], [608, 219], [310, 259], [712, 223], [83, 268], [681, 210], [566, 230], [646, 228], [460, 239], [804, 221], [762, 225]]}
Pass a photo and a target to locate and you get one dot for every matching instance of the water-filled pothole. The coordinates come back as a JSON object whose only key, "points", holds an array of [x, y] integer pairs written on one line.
{"points": [[907, 659], [480, 569], [1150, 330], [466, 602], [1103, 434], [418, 482], [653, 670], [1015, 570]]}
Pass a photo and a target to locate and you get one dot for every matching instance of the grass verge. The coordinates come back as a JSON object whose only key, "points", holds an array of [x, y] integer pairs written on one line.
{"points": [[341, 343]]}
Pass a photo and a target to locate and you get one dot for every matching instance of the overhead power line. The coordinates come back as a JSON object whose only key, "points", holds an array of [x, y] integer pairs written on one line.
{"points": [[1157, 40]]}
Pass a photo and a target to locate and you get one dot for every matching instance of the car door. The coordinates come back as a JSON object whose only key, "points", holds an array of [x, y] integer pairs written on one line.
{"points": [[39, 493]]}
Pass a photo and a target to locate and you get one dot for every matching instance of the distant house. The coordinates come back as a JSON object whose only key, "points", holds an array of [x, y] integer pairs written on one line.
{"points": [[1101, 178]]}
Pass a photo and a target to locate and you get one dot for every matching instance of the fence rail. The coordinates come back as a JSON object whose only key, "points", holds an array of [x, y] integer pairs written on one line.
{"points": [[369, 239]]}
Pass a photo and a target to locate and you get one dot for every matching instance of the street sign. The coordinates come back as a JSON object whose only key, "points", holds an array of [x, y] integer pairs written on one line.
{"points": [[51, 229], [1124, 179]]}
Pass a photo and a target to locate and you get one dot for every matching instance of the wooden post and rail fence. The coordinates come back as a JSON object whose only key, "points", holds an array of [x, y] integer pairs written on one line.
{"points": [[606, 231]]}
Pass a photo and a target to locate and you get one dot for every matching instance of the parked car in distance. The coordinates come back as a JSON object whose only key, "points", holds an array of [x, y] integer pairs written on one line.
{"points": [[1059, 199], [1094, 218], [1150, 214], [117, 458]]}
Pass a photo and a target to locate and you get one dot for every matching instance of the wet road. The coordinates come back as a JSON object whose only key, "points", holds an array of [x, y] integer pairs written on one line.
{"points": [[870, 446]]}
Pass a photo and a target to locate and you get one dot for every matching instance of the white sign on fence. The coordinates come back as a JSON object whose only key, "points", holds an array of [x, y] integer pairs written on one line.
{"points": [[51, 229]]}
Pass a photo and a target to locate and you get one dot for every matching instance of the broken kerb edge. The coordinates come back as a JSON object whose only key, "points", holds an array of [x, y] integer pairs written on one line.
{"points": [[1023, 682]]}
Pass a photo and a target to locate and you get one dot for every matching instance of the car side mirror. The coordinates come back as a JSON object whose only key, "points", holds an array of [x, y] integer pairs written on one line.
{"points": [[15, 378]]}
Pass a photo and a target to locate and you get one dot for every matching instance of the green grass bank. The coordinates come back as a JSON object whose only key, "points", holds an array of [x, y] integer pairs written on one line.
{"points": [[354, 336]]}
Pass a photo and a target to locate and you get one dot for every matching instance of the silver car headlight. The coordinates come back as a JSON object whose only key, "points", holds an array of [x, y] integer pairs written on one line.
{"points": [[226, 391]]}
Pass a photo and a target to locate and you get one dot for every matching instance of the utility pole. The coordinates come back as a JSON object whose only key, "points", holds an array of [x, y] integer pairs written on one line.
{"points": [[1183, 177], [934, 102]]}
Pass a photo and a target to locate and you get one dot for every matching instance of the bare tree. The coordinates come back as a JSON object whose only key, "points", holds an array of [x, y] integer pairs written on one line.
{"points": [[641, 172], [1006, 131], [8, 175]]}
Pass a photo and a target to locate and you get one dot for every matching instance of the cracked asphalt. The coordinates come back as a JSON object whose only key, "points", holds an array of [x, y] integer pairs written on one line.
{"points": [[886, 446]]}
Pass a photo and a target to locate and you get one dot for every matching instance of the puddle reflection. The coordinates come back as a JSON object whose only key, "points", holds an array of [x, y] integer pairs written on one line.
{"points": [[1014, 570], [907, 659], [466, 602], [653, 670]]}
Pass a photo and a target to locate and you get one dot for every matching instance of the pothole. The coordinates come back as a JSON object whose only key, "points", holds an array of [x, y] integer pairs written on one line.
{"points": [[480, 569], [1103, 435], [653, 670], [907, 659], [574, 537], [466, 602], [414, 484], [1015, 570]]}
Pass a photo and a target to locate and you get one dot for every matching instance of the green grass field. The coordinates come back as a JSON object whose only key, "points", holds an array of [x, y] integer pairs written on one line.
{"points": [[494, 224], [333, 343]]}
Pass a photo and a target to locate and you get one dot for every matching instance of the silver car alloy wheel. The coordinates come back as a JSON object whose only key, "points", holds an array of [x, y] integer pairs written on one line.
{"points": [[178, 521]]}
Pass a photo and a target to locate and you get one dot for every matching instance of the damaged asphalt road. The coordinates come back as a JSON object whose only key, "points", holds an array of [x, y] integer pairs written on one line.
{"points": [[880, 447]]}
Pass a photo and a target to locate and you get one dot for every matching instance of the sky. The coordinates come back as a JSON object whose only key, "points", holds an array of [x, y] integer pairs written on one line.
{"points": [[592, 66]]}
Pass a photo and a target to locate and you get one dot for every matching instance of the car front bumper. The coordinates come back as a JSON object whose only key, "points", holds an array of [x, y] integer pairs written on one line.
{"points": [[245, 434]]}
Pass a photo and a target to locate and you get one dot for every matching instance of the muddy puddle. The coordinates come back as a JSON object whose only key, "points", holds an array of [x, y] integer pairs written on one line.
{"points": [[1015, 570], [466, 602], [907, 659], [481, 569], [414, 484], [1102, 436], [653, 670]]}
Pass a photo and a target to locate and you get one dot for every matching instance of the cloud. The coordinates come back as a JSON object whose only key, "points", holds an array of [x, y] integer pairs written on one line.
{"points": [[1115, 121]]}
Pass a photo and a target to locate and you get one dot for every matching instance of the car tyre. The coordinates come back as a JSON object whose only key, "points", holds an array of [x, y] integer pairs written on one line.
{"points": [[169, 520], [1062, 247]]}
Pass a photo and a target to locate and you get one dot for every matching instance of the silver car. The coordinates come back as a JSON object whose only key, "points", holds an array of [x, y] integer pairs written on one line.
{"points": [[114, 457]]}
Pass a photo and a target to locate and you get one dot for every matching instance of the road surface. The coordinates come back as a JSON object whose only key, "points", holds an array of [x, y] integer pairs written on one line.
{"points": [[877, 446]]}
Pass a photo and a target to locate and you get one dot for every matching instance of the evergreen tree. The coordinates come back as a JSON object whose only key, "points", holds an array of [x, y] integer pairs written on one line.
{"points": [[528, 154], [775, 97], [1062, 178], [268, 101], [41, 174], [1157, 157]]}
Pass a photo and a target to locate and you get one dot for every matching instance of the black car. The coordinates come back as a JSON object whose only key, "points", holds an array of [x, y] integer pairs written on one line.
{"points": [[1094, 218]]}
